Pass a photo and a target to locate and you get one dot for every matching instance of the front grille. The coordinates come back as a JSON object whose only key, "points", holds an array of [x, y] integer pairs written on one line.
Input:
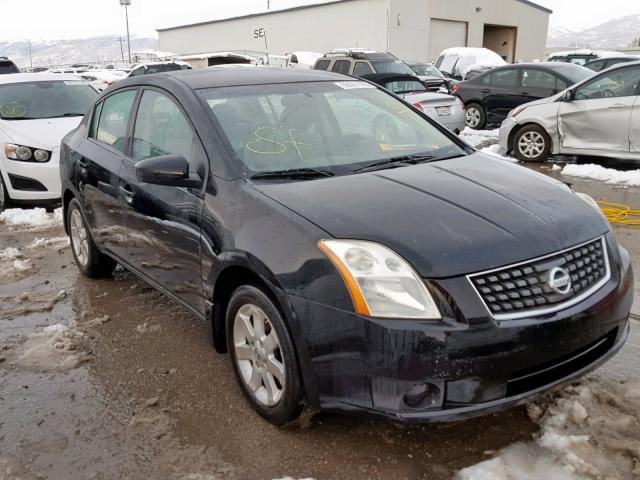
{"points": [[525, 289]]}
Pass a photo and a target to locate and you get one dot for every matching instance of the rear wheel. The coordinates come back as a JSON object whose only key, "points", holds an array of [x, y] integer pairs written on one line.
{"points": [[532, 144], [89, 259], [263, 356], [475, 116]]}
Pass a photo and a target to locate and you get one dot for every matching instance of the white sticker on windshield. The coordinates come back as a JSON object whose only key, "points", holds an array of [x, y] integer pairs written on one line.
{"points": [[74, 82], [354, 84]]}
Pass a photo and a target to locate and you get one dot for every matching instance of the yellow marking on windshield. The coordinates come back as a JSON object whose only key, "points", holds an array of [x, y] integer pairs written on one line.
{"points": [[253, 145], [12, 110]]}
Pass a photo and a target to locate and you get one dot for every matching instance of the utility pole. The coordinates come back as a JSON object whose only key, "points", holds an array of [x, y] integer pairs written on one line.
{"points": [[30, 56], [126, 4], [120, 39]]}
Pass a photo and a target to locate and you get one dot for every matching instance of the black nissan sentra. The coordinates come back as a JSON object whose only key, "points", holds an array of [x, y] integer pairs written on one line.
{"points": [[349, 253]]}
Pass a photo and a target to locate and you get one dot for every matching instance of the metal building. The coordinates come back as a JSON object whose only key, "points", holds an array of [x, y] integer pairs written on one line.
{"points": [[411, 29]]}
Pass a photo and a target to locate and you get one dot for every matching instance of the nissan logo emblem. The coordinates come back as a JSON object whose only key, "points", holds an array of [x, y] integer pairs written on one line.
{"points": [[559, 280]]}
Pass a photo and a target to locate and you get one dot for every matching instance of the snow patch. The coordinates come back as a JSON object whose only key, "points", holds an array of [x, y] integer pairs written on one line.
{"points": [[478, 137], [496, 152], [36, 217], [588, 431], [55, 242], [54, 349], [9, 253], [602, 174]]}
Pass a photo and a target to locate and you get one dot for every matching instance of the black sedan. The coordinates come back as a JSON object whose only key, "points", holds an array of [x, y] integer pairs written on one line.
{"points": [[489, 97], [348, 252]]}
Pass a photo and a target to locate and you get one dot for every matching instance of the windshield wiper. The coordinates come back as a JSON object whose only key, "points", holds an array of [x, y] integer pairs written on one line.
{"points": [[304, 173], [396, 161], [70, 114], [19, 118]]}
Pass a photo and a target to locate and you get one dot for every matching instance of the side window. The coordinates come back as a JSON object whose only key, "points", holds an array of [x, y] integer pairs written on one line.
{"points": [[596, 66], [562, 85], [114, 118], [362, 68], [294, 59], [504, 78], [341, 66], [137, 71], [94, 120], [534, 78], [161, 129], [322, 64], [619, 83]]}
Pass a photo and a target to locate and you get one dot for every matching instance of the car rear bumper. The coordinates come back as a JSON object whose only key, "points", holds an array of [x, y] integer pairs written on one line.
{"points": [[32, 181], [454, 122], [412, 371]]}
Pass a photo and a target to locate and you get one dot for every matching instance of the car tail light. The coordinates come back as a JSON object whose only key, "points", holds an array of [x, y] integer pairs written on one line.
{"points": [[418, 105]]}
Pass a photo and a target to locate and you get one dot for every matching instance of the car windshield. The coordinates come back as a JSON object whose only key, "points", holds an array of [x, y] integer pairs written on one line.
{"points": [[337, 127], [426, 70], [391, 66], [575, 73], [45, 99]]}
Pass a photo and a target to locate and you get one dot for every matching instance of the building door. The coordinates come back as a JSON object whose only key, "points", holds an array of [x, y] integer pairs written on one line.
{"points": [[445, 34], [501, 40]]}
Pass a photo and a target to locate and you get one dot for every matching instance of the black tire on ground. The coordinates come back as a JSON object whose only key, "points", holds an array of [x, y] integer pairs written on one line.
{"points": [[290, 404], [90, 261], [475, 116], [5, 201], [532, 144]]}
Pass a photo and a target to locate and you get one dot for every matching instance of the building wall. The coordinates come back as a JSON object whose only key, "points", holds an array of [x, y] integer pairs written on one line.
{"points": [[359, 23]]}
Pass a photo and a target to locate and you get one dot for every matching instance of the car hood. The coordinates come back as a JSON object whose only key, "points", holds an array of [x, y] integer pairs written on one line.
{"points": [[44, 133], [448, 218]]}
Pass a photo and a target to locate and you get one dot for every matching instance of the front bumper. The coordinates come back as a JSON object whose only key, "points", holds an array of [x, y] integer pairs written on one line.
{"points": [[471, 365], [508, 125], [45, 176]]}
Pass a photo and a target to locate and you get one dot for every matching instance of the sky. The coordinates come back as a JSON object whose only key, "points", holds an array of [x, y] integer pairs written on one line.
{"points": [[62, 19]]}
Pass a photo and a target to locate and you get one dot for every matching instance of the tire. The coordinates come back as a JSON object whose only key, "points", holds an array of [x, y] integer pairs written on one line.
{"points": [[90, 261], [532, 144], [475, 116], [5, 201], [255, 356]]}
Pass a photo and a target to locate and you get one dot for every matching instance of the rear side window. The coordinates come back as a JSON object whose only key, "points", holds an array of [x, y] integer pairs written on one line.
{"points": [[161, 129], [533, 78], [362, 68], [114, 118], [504, 78], [322, 64], [596, 66], [341, 66]]}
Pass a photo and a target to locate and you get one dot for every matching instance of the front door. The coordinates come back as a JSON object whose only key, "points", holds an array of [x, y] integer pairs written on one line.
{"points": [[536, 84], [499, 90], [598, 117], [162, 223]]}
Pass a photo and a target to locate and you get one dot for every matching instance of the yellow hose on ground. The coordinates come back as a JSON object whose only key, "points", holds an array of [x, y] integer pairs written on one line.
{"points": [[620, 213]]}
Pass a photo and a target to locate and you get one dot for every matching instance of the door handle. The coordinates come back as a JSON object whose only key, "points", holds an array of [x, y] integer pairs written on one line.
{"points": [[83, 163], [127, 194], [618, 105], [485, 90], [525, 94]]}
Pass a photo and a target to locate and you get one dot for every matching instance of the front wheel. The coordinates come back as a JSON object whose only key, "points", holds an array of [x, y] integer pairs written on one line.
{"points": [[532, 144], [263, 356], [89, 259]]}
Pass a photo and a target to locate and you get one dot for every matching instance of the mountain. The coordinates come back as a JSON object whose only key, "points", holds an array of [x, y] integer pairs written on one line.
{"points": [[104, 49], [617, 33]]}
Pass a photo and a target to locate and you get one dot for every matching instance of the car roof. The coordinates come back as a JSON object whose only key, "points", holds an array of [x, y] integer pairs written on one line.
{"points": [[631, 58], [36, 77], [233, 76]]}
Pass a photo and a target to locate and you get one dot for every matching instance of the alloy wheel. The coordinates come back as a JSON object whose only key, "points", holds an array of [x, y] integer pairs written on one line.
{"points": [[79, 238], [472, 116], [258, 355], [531, 144]]}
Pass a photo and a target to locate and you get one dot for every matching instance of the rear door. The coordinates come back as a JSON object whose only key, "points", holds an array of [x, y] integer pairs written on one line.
{"points": [[98, 161], [536, 83], [499, 92], [163, 223], [598, 118]]}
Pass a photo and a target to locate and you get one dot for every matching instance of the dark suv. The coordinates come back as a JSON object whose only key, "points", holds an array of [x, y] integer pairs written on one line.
{"points": [[7, 66]]}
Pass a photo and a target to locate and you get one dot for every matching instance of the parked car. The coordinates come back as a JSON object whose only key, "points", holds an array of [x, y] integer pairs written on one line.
{"points": [[581, 56], [7, 66], [100, 79], [359, 62], [304, 60], [458, 63], [433, 78], [36, 111], [603, 63], [158, 67], [596, 117], [490, 97], [446, 109], [347, 251]]}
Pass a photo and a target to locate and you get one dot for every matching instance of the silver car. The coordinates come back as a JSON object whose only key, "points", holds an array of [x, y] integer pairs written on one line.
{"points": [[598, 117], [444, 108]]}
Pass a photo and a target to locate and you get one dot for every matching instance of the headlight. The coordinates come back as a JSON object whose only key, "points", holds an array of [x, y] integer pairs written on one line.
{"points": [[25, 154], [517, 111], [381, 283]]}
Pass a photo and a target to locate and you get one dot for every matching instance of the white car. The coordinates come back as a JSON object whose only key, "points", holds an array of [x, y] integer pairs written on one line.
{"points": [[303, 60], [596, 117], [36, 111], [458, 62], [100, 79]]}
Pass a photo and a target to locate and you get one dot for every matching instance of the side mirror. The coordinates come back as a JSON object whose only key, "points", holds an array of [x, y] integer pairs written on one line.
{"points": [[568, 96], [167, 170]]}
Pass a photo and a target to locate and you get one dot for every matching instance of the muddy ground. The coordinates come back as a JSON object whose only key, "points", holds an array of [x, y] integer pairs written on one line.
{"points": [[122, 384]]}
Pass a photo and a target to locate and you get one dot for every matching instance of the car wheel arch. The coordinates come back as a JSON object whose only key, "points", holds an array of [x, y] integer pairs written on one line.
{"points": [[67, 196], [514, 132]]}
